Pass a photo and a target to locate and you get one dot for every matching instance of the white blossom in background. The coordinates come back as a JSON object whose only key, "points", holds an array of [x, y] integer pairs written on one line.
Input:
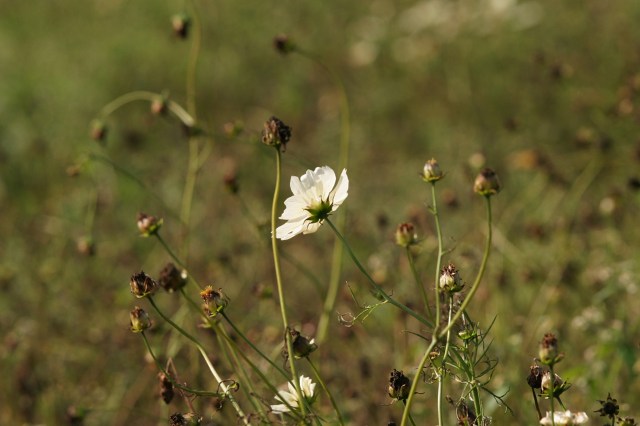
{"points": [[315, 196], [307, 388], [565, 418]]}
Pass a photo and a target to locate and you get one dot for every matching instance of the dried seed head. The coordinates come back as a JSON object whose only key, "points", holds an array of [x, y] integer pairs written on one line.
{"points": [[276, 133], [172, 278], [548, 353], [140, 320], [450, 280], [487, 183], [465, 414], [214, 301], [148, 225], [534, 379], [431, 171], [166, 388], [406, 235], [142, 285], [283, 45], [399, 385], [181, 24], [302, 346], [609, 407]]}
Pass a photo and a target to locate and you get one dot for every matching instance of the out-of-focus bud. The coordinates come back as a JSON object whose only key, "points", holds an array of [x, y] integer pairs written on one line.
{"points": [[181, 24], [140, 320], [186, 419], [534, 379], [465, 414], [276, 133], [166, 388], [233, 128], [214, 301], [86, 246], [626, 421], [431, 171], [283, 45], [406, 235], [172, 278], [399, 385], [450, 280], [548, 353], [302, 346], [148, 225], [98, 130], [487, 183], [142, 285], [230, 180], [159, 105], [609, 408]]}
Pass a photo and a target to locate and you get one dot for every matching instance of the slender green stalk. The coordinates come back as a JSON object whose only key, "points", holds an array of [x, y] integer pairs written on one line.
{"points": [[436, 216], [141, 95], [187, 194], [421, 289], [444, 361], [326, 390], [410, 418], [214, 372], [194, 54], [551, 391], [456, 317], [535, 401], [375, 285], [276, 263]]}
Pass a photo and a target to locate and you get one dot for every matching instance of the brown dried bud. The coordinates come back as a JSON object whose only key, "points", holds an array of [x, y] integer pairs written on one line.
{"points": [[487, 183], [283, 45], [166, 388], [276, 133], [534, 379], [406, 235], [172, 278], [548, 353], [148, 225], [399, 385], [302, 346], [214, 301], [610, 407], [140, 320], [142, 285]]}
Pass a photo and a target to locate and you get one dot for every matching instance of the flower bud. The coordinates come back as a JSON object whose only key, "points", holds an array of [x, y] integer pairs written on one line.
{"points": [[548, 353], [98, 130], [148, 225], [230, 180], [406, 235], [142, 285], [283, 45], [140, 320], [487, 183], [559, 386], [214, 301], [450, 280], [399, 385], [180, 24], [276, 133], [171, 278], [166, 388], [302, 346], [159, 105], [431, 171], [86, 246]]}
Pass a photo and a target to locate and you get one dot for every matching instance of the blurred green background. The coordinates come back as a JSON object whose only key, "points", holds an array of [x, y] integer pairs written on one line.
{"points": [[544, 92]]}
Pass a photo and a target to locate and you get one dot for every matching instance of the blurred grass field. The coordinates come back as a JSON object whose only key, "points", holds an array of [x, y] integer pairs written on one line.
{"points": [[547, 93]]}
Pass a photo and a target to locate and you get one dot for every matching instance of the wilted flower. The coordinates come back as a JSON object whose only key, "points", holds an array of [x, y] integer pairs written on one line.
{"points": [[450, 280], [565, 418], [166, 388], [307, 388], [172, 278], [431, 171], [148, 225], [142, 285], [301, 345], [559, 386], [399, 385], [610, 407], [548, 352], [406, 235], [314, 198], [140, 320], [276, 133], [214, 300], [534, 379], [487, 183]]}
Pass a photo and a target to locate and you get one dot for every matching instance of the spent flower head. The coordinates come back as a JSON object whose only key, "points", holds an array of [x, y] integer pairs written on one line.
{"points": [[565, 418], [609, 407], [142, 285], [148, 225], [139, 319], [214, 300], [487, 183], [302, 346], [548, 352], [166, 388], [450, 280], [315, 196], [431, 171], [276, 133], [399, 385], [406, 235], [171, 278], [307, 388]]}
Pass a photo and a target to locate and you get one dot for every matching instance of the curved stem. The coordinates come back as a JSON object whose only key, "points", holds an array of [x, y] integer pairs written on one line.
{"points": [[276, 264], [143, 95], [326, 390], [375, 285], [456, 317]]}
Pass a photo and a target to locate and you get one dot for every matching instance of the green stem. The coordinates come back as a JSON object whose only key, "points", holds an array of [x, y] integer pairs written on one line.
{"points": [[410, 418], [375, 285], [326, 390], [456, 317], [535, 401], [276, 263], [444, 361], [214, 372], [551, 390], [141, 95], [436, 216], [187, 194], [414, 272]]}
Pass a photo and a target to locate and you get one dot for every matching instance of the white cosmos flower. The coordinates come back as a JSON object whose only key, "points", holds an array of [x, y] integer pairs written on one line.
{"points": [[315, 196], [565, 418], [307, 388]]}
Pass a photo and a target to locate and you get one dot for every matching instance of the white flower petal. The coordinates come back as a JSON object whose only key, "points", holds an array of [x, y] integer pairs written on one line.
{"points": [[289, 230], [341, 190]]}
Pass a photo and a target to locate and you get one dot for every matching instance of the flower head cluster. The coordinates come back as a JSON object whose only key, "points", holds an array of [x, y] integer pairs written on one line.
{"points": [[315, 196], [290, 398], [565, 418]]}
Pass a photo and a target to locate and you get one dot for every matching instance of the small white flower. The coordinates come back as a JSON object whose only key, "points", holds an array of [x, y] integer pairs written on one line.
{"points": [[565, 418], [307, 387], [315, 196]]}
